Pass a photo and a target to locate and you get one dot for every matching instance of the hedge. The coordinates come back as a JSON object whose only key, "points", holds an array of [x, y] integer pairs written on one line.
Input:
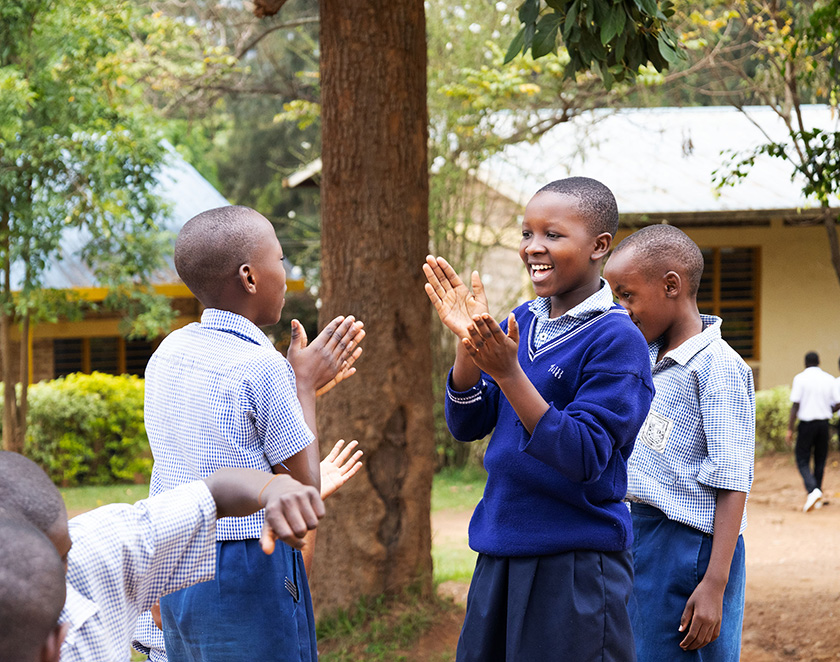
{"points": [[88, 429]]}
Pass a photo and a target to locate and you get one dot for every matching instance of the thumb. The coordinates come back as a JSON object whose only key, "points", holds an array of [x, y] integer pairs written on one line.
{"points": [[478, 287], [267, 539], [513, 328], [299, 339]]}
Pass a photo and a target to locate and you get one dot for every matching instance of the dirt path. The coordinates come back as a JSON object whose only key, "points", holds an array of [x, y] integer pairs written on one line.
{"points": [[793, 570]]}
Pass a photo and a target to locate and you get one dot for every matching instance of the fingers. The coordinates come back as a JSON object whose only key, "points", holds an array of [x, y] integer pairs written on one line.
{"points": [[335, 450], [291, 510], [513, 328]]}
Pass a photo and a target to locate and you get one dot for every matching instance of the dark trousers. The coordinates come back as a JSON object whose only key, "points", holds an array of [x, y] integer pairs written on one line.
{"points": [[812, 436]]}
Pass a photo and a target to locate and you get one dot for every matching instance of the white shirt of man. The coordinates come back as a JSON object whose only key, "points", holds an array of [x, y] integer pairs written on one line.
{"points": [[813, 389]]}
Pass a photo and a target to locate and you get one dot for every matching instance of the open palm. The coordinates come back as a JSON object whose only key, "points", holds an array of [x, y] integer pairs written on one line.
{"points": [[454, 302]]}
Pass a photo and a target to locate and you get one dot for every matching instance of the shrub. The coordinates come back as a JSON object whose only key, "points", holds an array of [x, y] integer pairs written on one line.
{"points": [[772, 412], [88, 429]]}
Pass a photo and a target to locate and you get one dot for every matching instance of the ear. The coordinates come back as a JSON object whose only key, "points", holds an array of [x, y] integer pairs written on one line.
{"points": [[247, 279], [673, 284], [52, 646], [603, 243]]}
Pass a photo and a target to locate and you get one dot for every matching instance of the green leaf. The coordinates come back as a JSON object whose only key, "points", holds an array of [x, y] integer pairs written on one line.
{"points": [[571, 19], [647, 7], [529, 11], [515, 47], [667, 50], [613, 24], [545, 39]]}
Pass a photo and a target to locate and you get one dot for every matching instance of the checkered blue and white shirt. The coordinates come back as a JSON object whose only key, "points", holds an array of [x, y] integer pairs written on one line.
{"points": [[548, 328], [124, 558], [700, 433], [218, 394]]}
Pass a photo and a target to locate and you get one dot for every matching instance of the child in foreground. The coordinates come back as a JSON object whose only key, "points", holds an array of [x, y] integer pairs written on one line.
{"points": [[692, 465], [564, 385], [121, 558], [218, 394]]}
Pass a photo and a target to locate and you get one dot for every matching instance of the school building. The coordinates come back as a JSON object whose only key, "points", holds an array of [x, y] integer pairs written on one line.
{"points": [[95, 343], [768, 263]]}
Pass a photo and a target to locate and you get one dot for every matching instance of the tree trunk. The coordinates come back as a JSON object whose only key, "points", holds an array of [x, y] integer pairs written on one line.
{"points": [[830, 225], [376, 537]]}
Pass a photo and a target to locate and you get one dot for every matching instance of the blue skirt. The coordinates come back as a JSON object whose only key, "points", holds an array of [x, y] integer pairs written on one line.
{"points": [[670, 559], [258, 607], [570, 606]]}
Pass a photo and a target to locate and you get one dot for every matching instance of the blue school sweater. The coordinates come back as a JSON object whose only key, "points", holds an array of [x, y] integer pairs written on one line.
{"points": [[560, 488]]}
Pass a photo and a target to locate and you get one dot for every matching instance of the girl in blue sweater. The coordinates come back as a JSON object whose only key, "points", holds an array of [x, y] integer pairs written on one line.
{"points": [[554, 571]]}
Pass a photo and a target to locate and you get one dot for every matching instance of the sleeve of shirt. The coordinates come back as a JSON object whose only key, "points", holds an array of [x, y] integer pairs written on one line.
{"points": [[472, 414], [796, 390], [729, 424], [279, 416], [137, 553]]}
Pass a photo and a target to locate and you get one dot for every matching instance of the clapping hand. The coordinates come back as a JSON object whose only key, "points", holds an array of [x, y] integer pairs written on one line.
{"points": [[456, 305]]}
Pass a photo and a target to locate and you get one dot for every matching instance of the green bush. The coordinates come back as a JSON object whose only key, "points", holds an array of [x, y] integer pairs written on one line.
{"points": [[88, 429], [772, 412]]}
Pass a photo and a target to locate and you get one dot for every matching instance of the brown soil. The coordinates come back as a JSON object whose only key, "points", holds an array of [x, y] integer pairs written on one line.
{"points": [[793, 571]]}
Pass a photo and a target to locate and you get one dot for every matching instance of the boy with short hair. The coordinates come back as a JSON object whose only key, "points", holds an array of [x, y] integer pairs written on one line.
{"points": [[121, 558], [31, 594], [692, 466], [218, 394], [554, 571]]}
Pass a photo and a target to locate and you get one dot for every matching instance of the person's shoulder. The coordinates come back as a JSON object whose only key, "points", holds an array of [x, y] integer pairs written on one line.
{"points": [[615, 327], [719, 365]]}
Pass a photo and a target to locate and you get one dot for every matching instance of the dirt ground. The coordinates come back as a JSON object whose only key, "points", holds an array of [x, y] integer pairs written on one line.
{"points": [[793, 571]]}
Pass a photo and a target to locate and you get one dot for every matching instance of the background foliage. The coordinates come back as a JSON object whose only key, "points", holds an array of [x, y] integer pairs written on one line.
{"points": [[88, 430]]}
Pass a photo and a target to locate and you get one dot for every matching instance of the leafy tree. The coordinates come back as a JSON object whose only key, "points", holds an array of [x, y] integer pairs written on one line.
{"points": [[78, 154], [780, 54], [612, 38]]}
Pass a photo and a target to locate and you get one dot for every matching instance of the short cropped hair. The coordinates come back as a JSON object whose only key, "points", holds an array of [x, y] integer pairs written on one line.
{"points": [[26, 492], [596, 203], [32, 589], [812, 359], [213, 245], [663, 248]]}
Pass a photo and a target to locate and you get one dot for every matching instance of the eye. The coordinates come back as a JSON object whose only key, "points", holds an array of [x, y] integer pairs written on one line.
{"points": [[526, 234], [552, 235]]}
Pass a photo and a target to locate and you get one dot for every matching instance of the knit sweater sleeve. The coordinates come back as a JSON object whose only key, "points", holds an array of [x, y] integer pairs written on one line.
{"points": [[608, 408], [472, 414]]}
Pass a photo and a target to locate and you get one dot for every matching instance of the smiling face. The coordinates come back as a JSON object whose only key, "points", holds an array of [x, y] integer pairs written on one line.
{"points": [[560, 251], [642, 295]]}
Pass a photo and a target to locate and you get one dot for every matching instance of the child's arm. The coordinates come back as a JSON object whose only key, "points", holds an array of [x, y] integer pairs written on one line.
{"points": [[315, 365], [704, 610], [794, 412], [291, 509], [495, 353], [455, 305]]}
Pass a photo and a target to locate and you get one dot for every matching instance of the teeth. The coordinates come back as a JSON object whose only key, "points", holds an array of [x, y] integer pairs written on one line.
{"points": [[540, 267]]}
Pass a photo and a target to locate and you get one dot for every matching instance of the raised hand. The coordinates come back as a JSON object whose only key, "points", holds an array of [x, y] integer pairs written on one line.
{"points": [[333, 352], [347, 369], [491, 349], [339, 467], [455, 304]]}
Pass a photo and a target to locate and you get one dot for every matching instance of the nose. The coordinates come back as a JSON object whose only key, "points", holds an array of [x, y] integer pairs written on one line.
{"points": [[534, 246]]}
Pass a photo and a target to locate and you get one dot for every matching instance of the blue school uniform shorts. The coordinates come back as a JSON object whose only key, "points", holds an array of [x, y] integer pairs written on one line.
{"points": [[670, 559], [258, 607], [568, 607]]}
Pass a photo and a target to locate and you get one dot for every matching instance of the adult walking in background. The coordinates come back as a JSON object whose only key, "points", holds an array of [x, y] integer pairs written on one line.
{"points": [[813, 399]]}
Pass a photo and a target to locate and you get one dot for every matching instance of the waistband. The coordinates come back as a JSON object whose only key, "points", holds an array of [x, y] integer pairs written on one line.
{"points": [[646, 510]]}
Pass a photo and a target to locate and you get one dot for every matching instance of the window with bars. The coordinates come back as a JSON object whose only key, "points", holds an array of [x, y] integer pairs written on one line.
{"points": [[729, 289], [113, 355]]}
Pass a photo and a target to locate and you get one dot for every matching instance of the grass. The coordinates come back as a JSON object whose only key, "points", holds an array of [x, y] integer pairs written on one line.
{"points": [[458, 489], [80, 499]]}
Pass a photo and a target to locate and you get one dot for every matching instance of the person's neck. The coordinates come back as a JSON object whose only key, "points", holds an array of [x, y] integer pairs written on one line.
{"points": [[686, 325], [563, 303]]}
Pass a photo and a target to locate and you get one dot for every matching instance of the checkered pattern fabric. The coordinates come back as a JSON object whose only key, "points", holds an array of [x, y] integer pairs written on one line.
{"points": [[124, 557], [218, 394], [700, 433], [548, 328]]}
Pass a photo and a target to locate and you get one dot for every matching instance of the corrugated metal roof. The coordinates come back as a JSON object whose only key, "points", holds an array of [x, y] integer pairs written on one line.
{"points": [[660, 160], [181, 185]]}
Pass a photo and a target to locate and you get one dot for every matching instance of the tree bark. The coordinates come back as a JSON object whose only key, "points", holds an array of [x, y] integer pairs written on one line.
{"points": [[376, 537]]}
